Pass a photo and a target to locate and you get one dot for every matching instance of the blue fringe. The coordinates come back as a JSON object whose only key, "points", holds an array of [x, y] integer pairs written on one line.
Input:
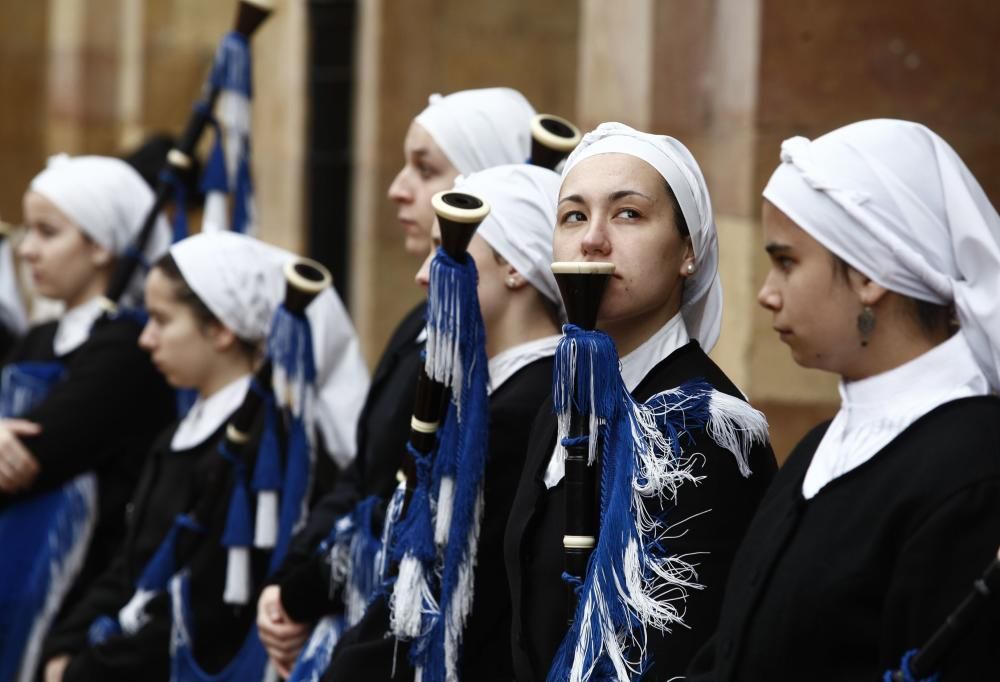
{"points": [[239, 520], [414, 533], [180, 224], [455, 320], [213, 178], [316, 655], [267, 471], [231, 69], [586, 374], [243, 195]]}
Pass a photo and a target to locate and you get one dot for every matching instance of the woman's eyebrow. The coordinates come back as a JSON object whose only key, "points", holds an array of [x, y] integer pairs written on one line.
{"points": [[622, 193], [575, 198], [775, 248]]}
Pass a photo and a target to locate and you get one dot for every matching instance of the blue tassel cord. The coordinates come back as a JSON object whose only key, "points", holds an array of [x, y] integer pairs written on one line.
{"points": [[154, 580], [267, 478], [904, 668], [315, 657]]}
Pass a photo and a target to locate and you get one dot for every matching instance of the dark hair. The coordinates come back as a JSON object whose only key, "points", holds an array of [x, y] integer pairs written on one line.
{"points": [[186, 296], [679, 220], [933, 318]]}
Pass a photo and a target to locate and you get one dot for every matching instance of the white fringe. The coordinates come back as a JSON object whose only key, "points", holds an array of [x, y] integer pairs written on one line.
{"points": [[735, 425], [265, 525], [215, 217], [408, 596], [237, 576], [462, 598], [133, 615], [445, 502]]}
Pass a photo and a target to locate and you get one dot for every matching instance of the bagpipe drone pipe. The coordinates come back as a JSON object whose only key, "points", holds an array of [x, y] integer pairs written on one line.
{"points": [[257, 498], [355, 549], [624, 462], [925, 664], [228, 167]]}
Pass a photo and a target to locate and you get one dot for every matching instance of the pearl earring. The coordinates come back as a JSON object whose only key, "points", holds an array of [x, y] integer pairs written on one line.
{"points": [[690, 268], [511, 282]]}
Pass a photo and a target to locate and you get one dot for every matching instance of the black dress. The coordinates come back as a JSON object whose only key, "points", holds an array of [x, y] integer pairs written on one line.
{"points": [[383, 429], [365, 653], [533, 542], [102, 417], [840, 586]]}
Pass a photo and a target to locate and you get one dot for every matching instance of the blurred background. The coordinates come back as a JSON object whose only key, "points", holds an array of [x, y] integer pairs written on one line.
{"points": [[338, 81]]}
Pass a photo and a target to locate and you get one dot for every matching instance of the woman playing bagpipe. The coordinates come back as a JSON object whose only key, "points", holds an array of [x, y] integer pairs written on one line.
{"points": [[464, 636], [465, 132], [885, 269], [679, 475], [211, 302], [81, 402]]}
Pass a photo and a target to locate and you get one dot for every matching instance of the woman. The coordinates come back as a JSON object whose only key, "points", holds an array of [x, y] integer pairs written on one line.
{"points": [[639, 201], [464, 132], [72, 456], [208, 317], [519, 302], [885, 263]]}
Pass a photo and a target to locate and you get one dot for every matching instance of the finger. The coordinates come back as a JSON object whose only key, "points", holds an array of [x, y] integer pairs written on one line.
{"points": [[23, 427]]}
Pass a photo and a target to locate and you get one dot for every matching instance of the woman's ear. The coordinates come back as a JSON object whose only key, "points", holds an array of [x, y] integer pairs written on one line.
{"points": [[869, 291], [100, 256], [514, 279], [222, 336], [688, 264]]}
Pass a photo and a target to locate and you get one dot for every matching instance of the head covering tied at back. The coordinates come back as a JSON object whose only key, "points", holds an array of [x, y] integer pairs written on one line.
{"points": [[478, 129], [701, 305], [894, 201], [522, 216], [108, 200], [240, 279]]}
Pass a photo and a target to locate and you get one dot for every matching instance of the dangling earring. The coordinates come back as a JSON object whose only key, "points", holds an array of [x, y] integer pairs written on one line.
{"points": [[690, 268], [866, 324]]}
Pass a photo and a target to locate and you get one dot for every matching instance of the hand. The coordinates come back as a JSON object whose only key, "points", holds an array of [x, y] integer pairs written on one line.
{"points": [[55, 668], [282, 637], [18, 467]]}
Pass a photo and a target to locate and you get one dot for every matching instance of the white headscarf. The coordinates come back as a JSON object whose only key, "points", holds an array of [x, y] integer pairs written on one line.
{"points": [[522, 216], [894, 201], [240, 280], [701, 305], [108, 200], [479, 129]]}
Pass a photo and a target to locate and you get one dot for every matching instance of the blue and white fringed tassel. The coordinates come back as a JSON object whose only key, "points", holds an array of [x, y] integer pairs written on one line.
{"points": [[412, 549], [633, 582], [353, 552], [215, 185], [155, 580], [232, 74], [456, 356], [315, 657], [180, 223], [293, 378]]}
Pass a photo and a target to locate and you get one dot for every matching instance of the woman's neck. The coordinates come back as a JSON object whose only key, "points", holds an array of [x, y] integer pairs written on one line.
{"points": [[223, 374], [525, 319], [628, 334]]}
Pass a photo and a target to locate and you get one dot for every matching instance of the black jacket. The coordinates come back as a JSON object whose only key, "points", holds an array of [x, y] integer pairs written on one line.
{"points": [[365, 653], [102, 417], [533, 543], [840, 586]]}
